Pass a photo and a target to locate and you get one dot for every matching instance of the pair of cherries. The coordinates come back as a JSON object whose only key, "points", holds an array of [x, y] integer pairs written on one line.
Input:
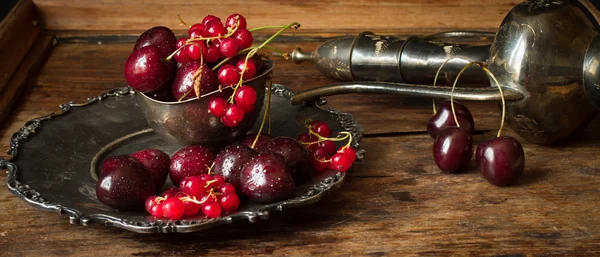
{"points": [[500, 160]]}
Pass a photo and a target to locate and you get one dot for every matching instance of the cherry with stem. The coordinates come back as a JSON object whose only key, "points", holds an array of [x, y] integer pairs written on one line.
{"points": [[500, 160]]}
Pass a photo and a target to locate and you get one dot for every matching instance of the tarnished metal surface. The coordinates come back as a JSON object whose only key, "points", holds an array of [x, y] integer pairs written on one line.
{"points": [[52, 156], [545, 50]]}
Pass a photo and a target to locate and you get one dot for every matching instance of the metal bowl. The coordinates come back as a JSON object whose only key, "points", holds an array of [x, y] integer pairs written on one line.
{"points": [[189, 123]]}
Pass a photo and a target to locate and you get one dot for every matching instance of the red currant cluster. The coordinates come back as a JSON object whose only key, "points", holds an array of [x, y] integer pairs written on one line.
{"points": [[207, 193], [500, 160], [323, 149], [211, 40], [215, 56]]}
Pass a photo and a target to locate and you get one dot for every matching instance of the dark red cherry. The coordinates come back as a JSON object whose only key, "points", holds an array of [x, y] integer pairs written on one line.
{"points": [[184, 83], [164, 95], [264, 179], [295, 155], [157, 162], [230, 160], [126, 186], [161, 37], [443, 118], [146, 71], [249, 140], [500, 160], [113, 163], [244, 38], [452, 149], [236, 19], [190, 161]]}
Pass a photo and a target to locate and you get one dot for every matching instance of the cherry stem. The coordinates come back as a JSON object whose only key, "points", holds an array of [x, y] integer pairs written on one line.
{"points": [[267, 111], [440, 69], [452, 93], [489, 73]]}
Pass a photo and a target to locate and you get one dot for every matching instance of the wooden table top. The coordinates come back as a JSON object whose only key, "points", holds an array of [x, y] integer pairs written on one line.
{"points": [[396, 202]]}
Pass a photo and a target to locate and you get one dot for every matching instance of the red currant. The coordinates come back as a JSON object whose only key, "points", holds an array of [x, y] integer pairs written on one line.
{"points": [[227, 188], [216, 107], [206, 177], [233, 20], [349, 151], [329, 146], [245, 97], [248, 68], [181, 42], [196, 33], [227, 75], [340, 162], [228, 47], [197, 29], [173, 208], [194, 51], [193, 186], [214, 29], [321, 128], [171, 192], [190, 208], [210, 18], [319, 164], [229, 202], [306, 138], [212, 210], [154, 207], [220, 180], [181, 56], [212, 53], [244, 38], [207, 199], [233, 115]]}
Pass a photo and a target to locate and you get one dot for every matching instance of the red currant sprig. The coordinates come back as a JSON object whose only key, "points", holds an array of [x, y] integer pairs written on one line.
{"points": [[216, 197], [243, 98], [322, 147]]}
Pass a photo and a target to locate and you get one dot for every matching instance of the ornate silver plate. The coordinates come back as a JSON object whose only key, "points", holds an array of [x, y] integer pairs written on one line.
{"points": [[53, 158]]}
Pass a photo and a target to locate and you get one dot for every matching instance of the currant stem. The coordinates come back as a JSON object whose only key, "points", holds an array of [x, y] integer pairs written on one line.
{"points": [[182, 22], [489, 73], [267, 111], [452, 93], [227, 59]]}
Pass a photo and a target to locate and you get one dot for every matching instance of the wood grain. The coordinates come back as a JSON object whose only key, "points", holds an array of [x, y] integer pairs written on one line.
{"points": [[313, 15], [20, 79], [394, 203], [18, 31]]}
